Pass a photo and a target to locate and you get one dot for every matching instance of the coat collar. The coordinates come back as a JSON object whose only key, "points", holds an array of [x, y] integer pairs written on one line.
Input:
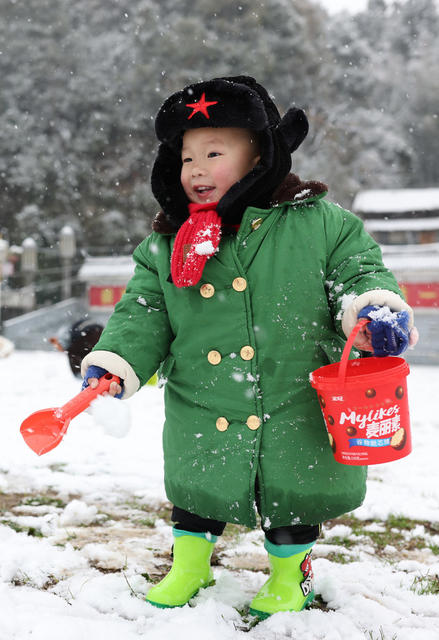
{"points": [[292, 189]]}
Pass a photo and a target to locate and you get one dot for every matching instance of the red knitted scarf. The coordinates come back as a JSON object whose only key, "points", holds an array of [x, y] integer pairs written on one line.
{"points": [[196, 241]]}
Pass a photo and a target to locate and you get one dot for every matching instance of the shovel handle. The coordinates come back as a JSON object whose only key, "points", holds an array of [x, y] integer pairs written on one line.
{"points": [[83, 400], [347, 349]]}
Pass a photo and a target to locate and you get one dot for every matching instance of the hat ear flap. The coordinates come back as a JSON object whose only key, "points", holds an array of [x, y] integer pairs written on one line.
{"points": [[293, 128], [166, 185]]}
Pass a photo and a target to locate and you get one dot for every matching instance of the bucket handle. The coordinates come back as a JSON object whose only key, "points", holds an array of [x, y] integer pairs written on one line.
{"points": [[347, 349]]}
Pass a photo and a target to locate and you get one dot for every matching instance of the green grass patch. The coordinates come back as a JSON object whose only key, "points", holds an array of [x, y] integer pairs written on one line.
{"points": [[425, 584], [380, 635], [162, 513], [59, 467], [394, 533], [400, 522], [44, 500], [340, 558], [12, 525], [31, 531], [421, 543], [145, 522], [345, 542], [381, 539]]}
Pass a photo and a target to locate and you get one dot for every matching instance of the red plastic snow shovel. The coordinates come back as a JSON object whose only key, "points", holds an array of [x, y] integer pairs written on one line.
{"points": [[43, 430]]}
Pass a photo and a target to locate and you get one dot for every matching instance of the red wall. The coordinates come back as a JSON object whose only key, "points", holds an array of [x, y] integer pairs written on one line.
{"points": [[421, 294], [417, 294], [104, 296]]}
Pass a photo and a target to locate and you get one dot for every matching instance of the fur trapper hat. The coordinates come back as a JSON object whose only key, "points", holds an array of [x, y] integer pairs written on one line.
{"points": [[237, 101]]}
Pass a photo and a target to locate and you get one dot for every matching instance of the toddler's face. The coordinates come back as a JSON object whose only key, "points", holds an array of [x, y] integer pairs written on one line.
{"points": [[213, 159]]}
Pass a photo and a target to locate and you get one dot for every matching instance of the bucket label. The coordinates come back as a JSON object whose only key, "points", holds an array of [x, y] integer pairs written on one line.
{"points": [[377, 423], [371, 425], [364, 442]]}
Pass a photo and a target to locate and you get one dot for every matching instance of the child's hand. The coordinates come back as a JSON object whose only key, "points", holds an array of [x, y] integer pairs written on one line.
{"points": [[91, 379], [363, 339], [387, 333]]}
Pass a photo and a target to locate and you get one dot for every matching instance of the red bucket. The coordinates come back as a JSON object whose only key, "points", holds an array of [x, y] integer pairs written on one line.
{"points": [[365, 406]]}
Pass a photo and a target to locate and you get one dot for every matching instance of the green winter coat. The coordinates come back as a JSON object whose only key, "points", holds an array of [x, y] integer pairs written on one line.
{"points": [[237, 418]]}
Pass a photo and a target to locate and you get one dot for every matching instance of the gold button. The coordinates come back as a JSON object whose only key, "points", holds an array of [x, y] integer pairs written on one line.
{"points": [[207, 290], [239, 284], [253, 422], [256, 223], [222, 424], [214, 357], [247, 352]]}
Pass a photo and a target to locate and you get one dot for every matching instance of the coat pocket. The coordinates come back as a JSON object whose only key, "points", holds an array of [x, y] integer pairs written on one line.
{"points": [[151, 302], [165, 370]]}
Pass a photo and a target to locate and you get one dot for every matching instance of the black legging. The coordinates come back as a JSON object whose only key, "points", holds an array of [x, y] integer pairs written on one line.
{"points": [[293, 534]]}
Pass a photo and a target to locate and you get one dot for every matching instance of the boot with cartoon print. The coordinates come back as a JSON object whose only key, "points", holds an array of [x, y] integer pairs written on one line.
{"points": [[190, 570], [290, 585]]}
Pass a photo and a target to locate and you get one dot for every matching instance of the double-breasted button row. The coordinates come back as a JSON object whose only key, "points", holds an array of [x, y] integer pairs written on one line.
{"points": [[239, 284], [252, 422], [214, 357], [246, 353], [222, 424], [207, 290]]}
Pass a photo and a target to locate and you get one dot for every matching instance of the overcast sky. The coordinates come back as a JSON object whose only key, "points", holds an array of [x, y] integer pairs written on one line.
{"points": [[332, 6]]}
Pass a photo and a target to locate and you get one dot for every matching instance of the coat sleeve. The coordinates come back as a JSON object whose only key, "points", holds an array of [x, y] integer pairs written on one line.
{"points": [[356, 275], [137, 336]]}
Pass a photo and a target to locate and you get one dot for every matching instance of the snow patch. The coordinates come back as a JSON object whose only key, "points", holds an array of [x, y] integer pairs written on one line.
{"points": [[302, 194], [112, 414], [205, 248], [367, 596], [76, 513], [384, 314], [346, 300], [102, 557]]}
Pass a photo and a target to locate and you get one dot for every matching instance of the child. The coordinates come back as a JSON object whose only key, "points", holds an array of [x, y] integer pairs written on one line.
{"points": [[238, 299]]}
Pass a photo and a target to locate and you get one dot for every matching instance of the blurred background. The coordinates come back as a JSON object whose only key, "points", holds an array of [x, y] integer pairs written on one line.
{"points": [[81, 83]]}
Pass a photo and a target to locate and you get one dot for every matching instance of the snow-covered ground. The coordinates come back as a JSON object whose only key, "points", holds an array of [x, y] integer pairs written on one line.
{"points": [[85, 529]]}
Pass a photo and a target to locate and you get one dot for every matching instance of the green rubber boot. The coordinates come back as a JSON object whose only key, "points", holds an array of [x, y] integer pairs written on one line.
{"points": [[190, 572], [289, 587]]}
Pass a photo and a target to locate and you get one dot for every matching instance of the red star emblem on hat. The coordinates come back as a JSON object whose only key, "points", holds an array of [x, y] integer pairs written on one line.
{"points": [[200, 106]]}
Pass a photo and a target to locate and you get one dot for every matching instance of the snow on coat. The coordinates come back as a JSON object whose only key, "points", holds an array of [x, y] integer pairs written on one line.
{"points": [[236, 351]]}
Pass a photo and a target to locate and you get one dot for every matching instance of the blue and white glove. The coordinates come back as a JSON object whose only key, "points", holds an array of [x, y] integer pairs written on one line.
{"points": [[389, 331], [97, 372]]}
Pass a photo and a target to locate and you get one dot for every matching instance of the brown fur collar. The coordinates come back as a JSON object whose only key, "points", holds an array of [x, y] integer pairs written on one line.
{"points": [[292, 188]]}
